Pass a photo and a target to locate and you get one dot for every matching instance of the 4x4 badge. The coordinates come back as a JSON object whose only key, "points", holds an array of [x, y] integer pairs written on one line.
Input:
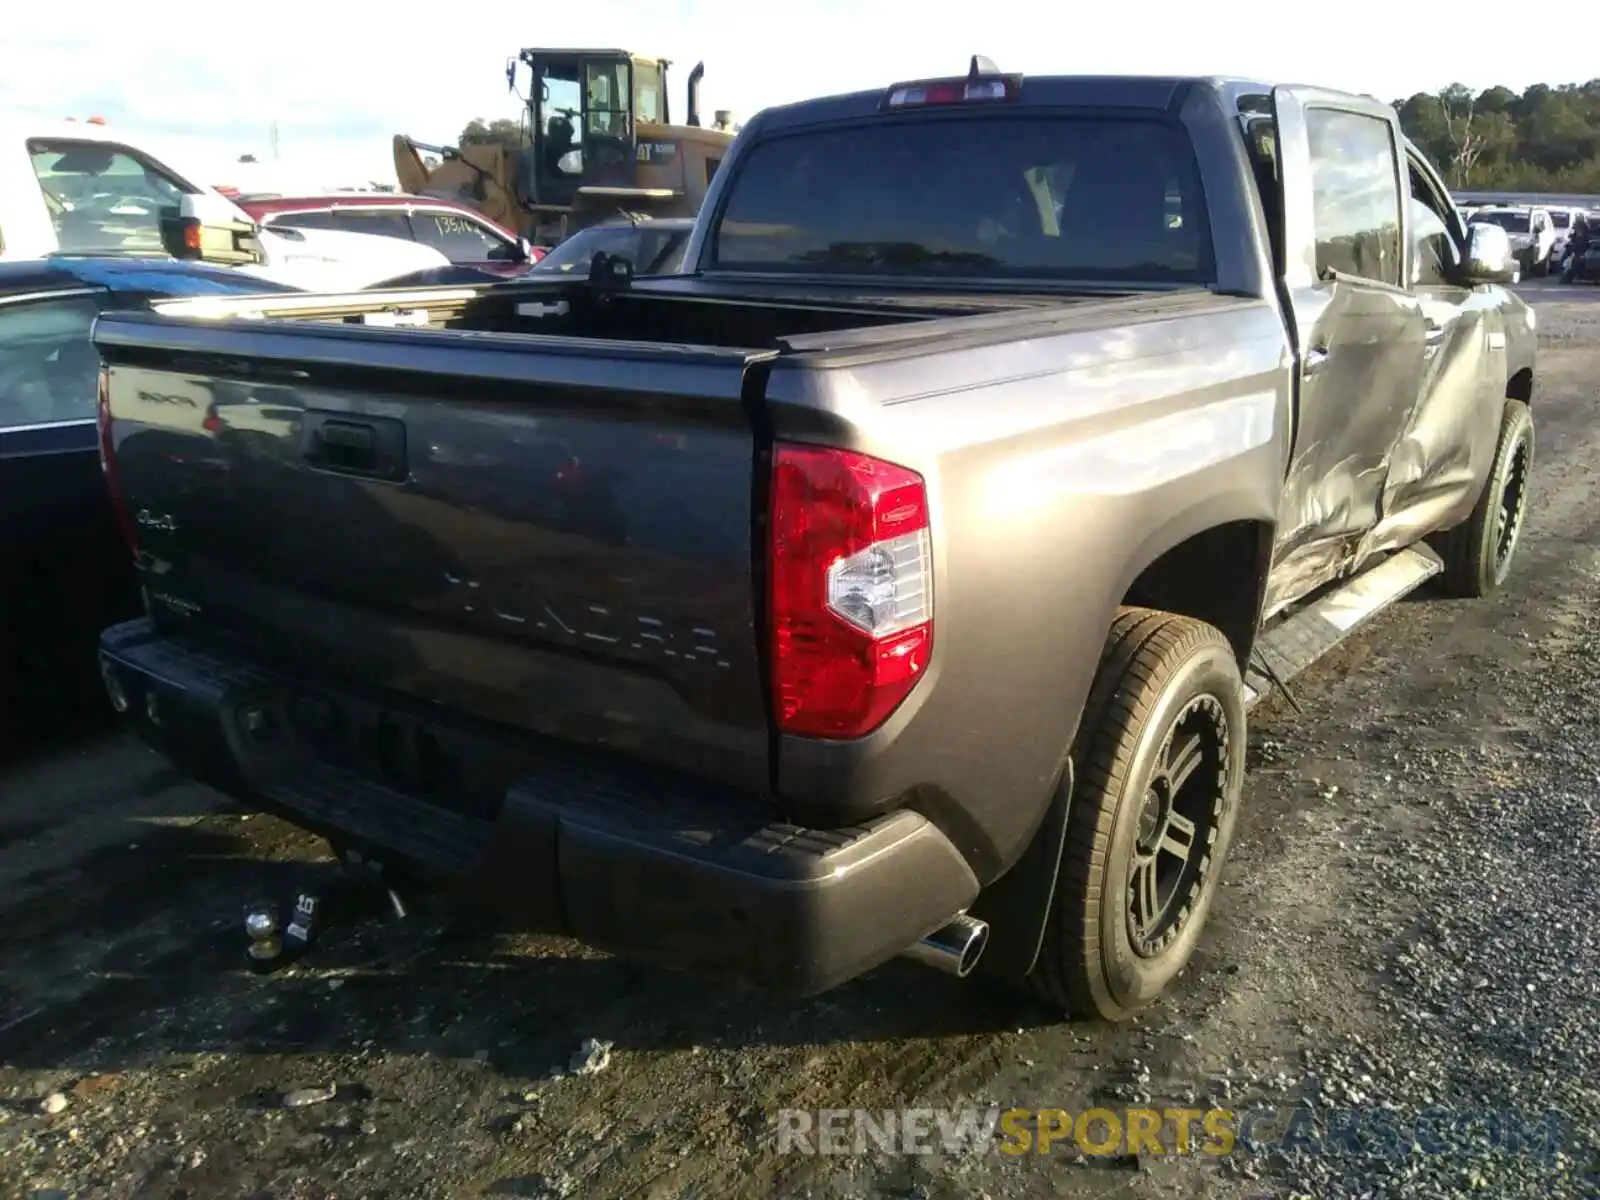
{"points": [[161, 521]]}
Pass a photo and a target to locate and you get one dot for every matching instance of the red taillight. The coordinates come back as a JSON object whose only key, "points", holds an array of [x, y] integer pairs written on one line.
{"points": [[108, 465], [851, 577]]}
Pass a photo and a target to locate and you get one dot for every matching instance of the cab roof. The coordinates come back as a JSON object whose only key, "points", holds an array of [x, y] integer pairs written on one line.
{"points": [[1153, 92], [570, 52]]}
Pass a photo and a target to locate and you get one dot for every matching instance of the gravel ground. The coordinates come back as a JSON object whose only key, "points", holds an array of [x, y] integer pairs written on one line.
{"points": [[1404, 930]]}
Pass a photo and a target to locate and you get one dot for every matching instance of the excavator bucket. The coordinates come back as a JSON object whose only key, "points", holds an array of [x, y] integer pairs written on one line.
{"points": [[409, 168], [478, 175]]}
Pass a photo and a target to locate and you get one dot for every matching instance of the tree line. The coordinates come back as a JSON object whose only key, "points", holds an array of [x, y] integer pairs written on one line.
{"points": [[1545, 140], [506, 131]]}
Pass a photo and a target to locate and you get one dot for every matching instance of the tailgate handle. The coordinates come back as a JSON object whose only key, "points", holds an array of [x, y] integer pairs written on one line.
{"points": [[369, 447]]}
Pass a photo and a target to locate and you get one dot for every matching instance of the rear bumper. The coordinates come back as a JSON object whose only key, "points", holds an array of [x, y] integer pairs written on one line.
{"points": [[623, 857]]}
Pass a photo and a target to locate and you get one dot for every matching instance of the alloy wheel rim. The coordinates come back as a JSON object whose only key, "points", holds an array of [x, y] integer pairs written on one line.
{"points": [[1180, 818], [1509, 513]]}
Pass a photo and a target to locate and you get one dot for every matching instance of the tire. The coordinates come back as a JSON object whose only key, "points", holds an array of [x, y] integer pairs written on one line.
{"points": [[1479, 552], [1165, 682]]}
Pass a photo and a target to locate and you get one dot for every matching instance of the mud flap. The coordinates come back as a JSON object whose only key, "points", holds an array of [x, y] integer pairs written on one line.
{"points": [[1017, 905]]}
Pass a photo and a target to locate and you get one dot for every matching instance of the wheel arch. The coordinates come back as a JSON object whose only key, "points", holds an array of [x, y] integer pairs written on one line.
{"points": [[1520, 386], [1217, 574], [1211, 564]]}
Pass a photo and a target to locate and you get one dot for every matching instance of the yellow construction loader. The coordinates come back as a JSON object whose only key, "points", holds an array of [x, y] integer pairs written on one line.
{"points": [[598, 141]]}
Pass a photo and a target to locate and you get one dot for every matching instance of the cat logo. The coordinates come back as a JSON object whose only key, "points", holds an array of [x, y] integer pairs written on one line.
{"points": [[652, 152]]}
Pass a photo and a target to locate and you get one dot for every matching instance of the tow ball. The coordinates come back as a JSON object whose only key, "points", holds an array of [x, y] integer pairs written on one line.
{"points": [[274, 943]]}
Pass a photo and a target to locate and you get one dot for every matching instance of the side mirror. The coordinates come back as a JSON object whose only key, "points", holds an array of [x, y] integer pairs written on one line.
{"points": [[1489, 257]]}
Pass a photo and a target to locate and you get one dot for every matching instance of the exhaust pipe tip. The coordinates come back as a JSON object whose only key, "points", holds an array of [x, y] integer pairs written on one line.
{"points": [[953, 948]]}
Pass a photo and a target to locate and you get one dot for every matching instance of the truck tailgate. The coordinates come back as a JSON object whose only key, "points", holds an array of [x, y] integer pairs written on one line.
{"points": [[548, 534]]}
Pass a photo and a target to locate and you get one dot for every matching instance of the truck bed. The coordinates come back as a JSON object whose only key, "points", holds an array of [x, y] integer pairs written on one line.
{"points": [[523, 511]]}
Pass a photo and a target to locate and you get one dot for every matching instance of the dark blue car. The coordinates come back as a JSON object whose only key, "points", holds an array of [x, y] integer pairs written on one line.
{"points": [[65, 570]]}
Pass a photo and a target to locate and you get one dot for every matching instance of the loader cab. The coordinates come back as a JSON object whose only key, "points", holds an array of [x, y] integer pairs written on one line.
{"points": [[585, 109]]}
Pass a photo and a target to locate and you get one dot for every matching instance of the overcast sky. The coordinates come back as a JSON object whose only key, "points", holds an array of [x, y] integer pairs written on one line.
{"points": [[340, 79]]}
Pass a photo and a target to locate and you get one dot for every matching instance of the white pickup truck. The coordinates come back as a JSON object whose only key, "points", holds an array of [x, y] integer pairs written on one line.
{"points": [[83, 188], [1532, 233]]}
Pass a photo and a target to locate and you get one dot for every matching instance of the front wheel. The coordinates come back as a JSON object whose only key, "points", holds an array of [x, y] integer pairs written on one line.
{"points": [[1478, 553], [1161, 769]]}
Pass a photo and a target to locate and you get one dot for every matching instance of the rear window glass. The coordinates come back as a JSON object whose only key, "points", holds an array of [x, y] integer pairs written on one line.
{"points": [[1092, 198], [1511, 222]]}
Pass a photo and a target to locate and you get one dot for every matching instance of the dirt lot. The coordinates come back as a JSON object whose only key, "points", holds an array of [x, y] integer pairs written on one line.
{"points": [[1406, 924]]}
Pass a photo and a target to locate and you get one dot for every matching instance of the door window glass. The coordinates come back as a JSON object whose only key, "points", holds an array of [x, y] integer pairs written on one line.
{"points": [[1434, 252], [104, 198], [380, 222], [461, 239], [561, 108], [652, 103], [607, 86], [305, 220], [1355, 195], [49, 369]]}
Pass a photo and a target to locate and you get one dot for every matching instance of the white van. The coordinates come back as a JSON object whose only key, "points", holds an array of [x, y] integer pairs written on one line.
{"points": [[1532, 233]]}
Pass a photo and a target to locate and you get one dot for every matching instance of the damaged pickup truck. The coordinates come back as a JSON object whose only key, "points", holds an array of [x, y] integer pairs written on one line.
{"points": [[893, 582]]}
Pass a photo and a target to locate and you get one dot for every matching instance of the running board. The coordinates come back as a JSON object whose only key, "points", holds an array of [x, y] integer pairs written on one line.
{"points": [[1300, 640]]}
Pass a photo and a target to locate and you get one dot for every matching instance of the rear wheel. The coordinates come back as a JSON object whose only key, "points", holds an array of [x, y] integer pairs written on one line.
{"points": [[1161, 768], [1478, 553]]}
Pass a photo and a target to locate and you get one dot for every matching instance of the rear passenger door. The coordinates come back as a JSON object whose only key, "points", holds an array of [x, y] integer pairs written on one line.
{"points": [[1358, 328], [51, 489]]}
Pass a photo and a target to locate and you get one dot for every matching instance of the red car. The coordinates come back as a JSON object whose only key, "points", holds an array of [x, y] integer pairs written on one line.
{"points": [[464, 236]]}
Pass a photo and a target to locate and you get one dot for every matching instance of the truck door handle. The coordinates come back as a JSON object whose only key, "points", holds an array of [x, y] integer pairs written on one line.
{"points": [[372, 447], [1316, 359]]}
